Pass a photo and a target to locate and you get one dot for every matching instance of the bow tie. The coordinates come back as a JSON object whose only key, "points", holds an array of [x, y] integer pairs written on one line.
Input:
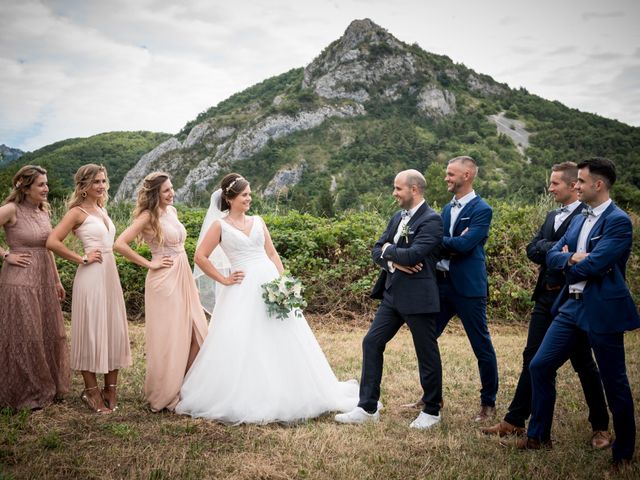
{"points": [[406, 214], [587, 212], [456, 203], [564, 209]]}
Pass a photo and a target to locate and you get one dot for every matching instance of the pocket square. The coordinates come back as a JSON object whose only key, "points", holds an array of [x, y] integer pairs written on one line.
{"points": [[465, 218], [595, 238]]}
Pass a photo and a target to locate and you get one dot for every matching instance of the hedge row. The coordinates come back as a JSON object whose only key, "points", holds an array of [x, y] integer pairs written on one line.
{"points": [[332, 257]]}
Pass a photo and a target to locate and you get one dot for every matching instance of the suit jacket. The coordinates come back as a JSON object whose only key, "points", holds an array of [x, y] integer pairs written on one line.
{"points": [[608, 306], [467, 260], [541, 244], [418, 292]]}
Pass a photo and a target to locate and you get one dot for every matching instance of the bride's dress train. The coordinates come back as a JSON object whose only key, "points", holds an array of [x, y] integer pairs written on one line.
{"points": [[253, 368]]}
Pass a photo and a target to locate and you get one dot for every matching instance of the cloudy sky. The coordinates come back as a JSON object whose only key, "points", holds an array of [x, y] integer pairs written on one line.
{"points": [[74, 68]]}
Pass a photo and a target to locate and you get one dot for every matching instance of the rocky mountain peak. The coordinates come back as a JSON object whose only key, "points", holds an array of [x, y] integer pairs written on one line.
{"points": [[363, 41]]}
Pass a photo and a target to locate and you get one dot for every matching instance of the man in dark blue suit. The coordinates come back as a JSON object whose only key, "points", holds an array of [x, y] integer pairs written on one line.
{"points": [[462, 273], [593, 255], [407, 253], [562, 185]]}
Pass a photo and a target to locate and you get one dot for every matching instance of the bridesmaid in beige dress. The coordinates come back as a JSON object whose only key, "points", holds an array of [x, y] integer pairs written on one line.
{"points": [[34, 357], [99, 335], [175, 325]]}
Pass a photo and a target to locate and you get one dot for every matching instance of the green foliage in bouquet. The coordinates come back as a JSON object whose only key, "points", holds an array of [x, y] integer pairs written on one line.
{"points": [[283, 296]]}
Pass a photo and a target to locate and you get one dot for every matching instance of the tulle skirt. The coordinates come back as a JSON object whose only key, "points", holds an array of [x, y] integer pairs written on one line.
{"points": [[254, 368]]}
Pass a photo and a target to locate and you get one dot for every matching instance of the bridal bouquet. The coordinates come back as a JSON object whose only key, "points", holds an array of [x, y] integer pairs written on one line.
{"points": [[284, 295]]}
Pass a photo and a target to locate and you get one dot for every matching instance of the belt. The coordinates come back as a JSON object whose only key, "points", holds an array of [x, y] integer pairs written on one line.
{"points": [[552, 288], [576, 295], [442, 275]]}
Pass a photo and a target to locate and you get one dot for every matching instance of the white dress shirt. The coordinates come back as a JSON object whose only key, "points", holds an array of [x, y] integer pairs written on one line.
{"points": [[562, 216], [587, 226], [443, 264]]}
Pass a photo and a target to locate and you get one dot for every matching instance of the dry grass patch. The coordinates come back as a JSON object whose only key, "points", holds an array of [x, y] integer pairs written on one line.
{"points": [[67, 441]]}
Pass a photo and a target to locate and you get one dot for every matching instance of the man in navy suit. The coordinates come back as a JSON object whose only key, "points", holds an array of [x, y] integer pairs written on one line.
{"points": [[595, 299], [462, 273], [562, 185], [407, 254]]}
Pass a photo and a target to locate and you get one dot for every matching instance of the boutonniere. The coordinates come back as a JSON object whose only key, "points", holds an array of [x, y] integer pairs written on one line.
{"points": [[405, 231]]}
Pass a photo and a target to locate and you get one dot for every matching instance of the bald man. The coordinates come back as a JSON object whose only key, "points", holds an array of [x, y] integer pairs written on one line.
{"points": [[407, 254]]}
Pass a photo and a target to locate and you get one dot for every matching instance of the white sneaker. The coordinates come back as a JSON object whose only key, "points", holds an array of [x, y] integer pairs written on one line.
{"points": [[424, 421], [357, 416]]}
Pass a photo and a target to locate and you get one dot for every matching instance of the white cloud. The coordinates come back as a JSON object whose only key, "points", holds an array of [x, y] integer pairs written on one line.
{"points": [[72, 68]]}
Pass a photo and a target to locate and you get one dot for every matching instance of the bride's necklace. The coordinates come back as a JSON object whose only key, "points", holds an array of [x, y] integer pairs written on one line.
{"points": [[244, 223]]}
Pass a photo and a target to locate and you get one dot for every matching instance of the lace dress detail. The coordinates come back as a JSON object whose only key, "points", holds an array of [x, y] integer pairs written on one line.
{"points": [[254, 368], [99, 332], [172, 314], [34, 355]]}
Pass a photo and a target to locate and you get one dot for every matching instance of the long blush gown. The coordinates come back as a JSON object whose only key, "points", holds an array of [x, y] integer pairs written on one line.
{"points": [[172, 315], [99, 332], [34, 356], [255, 368]]}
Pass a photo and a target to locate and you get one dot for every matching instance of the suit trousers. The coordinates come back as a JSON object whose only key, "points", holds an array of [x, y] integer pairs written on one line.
{"points": [[581, 360], [473, 314], [608, 348], [385, 325]]}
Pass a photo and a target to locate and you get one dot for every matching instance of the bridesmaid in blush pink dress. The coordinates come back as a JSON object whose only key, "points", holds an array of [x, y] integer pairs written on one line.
{"points": [[99, 335], [175, 325], [34, 357]]}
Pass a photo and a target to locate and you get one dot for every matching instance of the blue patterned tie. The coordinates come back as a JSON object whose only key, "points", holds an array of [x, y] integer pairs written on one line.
{"points": [[456, 203], [406, 214], [564, 209]]}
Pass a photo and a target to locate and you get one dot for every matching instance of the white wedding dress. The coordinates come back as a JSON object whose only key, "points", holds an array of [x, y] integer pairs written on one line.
{"points": [[254, 368]]}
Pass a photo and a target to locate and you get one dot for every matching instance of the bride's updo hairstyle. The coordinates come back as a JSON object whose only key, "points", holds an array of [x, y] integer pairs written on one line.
{"points": [[232, 185], [149, 200]]}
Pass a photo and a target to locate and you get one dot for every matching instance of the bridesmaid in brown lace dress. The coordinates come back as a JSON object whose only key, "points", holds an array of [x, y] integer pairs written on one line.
{"points": [[175, 325], [34, 359], [99, 335]]}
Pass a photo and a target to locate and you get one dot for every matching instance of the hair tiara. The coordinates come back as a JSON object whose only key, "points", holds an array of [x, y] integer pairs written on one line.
{"points": [[228, 189]]}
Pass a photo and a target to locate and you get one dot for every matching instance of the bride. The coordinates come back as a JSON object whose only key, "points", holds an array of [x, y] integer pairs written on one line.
{"points": [[253, 368]]}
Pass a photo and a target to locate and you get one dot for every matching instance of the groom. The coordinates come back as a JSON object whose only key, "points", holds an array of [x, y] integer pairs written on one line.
{"points": [[407, 253]]}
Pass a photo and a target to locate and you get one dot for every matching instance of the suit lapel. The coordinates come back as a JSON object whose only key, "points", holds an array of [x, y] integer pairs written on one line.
{"points": [[446, 219], [414, 218], [466, 210], [597, 228], [394, 226], [567, 221]]}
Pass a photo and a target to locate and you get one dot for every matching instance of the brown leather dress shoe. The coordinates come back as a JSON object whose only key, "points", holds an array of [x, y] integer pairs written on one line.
{"points": [[528, 443], [503, 429], [600, 439], [486, 412]]}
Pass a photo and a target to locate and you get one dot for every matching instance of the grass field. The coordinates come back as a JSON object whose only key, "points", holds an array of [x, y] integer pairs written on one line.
{"points": [[66, 441]]}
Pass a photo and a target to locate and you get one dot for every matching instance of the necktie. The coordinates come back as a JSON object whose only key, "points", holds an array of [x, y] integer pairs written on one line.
{"points": [[564, 209], [588, 211], [406, 214], [456, 203]]}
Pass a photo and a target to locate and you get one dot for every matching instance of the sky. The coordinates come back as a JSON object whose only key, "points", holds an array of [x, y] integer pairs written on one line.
{"points": [[75, 68]]}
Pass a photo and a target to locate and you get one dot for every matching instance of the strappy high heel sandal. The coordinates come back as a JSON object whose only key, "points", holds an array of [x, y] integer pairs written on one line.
{"points": [[106, 401], [87, 401]]}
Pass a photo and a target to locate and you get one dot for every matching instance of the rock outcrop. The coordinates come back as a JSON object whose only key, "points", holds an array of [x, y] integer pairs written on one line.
{"points": [[283, 180]]}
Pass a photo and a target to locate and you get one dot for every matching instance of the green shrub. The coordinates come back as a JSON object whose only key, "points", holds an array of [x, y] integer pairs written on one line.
{"points": [[332, 257]]}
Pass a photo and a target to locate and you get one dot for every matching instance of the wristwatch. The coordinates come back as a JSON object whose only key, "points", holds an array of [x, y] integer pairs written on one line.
{"points": [[85, 259]]}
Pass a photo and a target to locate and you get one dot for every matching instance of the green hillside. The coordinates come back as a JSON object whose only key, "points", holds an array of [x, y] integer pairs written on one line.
{"points": [[117, 151]]}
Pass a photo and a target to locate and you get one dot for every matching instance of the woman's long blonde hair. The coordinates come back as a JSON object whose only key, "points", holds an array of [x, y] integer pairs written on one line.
{"points": [[83, 180], [149, 201], [22, 181]]}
